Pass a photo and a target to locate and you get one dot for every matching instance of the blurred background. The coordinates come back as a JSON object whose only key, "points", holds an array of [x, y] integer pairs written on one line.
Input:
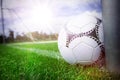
{"points": [[38, 20]]}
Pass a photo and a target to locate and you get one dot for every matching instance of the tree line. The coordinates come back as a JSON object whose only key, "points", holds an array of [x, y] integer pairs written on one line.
{"points": [[28, 37]]}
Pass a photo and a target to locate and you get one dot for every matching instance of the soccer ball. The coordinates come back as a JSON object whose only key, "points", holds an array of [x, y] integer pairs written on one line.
{"points": [[81, 40]]}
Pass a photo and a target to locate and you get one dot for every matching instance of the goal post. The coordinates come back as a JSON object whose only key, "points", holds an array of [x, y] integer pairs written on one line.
{"points": [[111, 23]]}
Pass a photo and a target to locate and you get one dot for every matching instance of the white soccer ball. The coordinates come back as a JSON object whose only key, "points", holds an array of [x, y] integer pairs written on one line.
{"points": [[81, 40]]}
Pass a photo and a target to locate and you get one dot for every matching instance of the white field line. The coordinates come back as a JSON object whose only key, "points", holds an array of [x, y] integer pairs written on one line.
{"points": [[46, 53], [40, 42]]}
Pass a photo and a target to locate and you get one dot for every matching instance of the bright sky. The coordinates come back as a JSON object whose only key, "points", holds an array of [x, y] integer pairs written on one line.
{"points": [[47, 16]]}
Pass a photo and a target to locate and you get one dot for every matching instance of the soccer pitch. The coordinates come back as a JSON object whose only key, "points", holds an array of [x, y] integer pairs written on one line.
{"points": [[42, 61]]}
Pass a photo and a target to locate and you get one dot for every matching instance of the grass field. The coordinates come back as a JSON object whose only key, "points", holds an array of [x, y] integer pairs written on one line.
{"points": [[42, 61]]}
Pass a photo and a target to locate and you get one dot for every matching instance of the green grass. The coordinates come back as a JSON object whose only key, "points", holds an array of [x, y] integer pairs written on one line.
{"points": [[42, 46], [19, 62]]}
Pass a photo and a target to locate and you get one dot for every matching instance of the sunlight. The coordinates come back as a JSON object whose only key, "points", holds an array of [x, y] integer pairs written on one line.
{"points": [[42, 15]]}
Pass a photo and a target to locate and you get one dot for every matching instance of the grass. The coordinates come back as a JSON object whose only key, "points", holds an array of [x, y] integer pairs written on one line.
{"points": [[34, 62], [42, 46]]}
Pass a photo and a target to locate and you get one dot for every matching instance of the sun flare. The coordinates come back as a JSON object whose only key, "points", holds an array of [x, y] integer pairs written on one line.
{"points": [[42, 15]]}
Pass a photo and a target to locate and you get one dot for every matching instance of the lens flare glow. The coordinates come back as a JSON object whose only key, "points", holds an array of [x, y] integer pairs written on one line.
{"points": [[42, 15]]}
